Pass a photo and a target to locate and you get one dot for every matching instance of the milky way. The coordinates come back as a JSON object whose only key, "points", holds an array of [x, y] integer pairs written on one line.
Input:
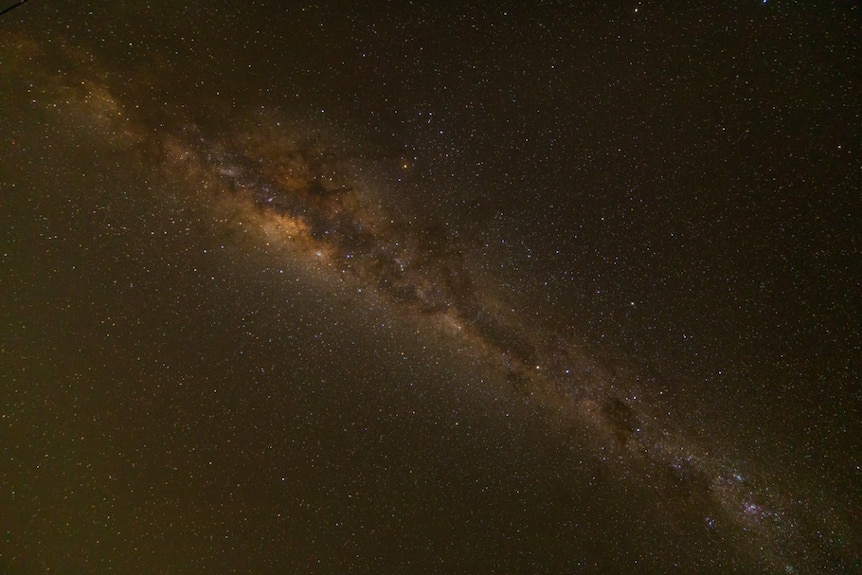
{"points": [[304, 193]]}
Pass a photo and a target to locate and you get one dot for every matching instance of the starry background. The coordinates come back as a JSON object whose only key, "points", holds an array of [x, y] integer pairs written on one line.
{"points": [[676, 182]]}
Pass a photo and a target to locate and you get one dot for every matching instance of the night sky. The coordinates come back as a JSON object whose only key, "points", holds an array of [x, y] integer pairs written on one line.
{"points": [[457, 287]]}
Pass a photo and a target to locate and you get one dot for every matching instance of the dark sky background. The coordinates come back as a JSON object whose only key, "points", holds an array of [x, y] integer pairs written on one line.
{"points": [[579, 290]]}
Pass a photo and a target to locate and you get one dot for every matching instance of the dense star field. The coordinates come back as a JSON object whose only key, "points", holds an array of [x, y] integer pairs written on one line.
{"points": [[446, 288]]}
